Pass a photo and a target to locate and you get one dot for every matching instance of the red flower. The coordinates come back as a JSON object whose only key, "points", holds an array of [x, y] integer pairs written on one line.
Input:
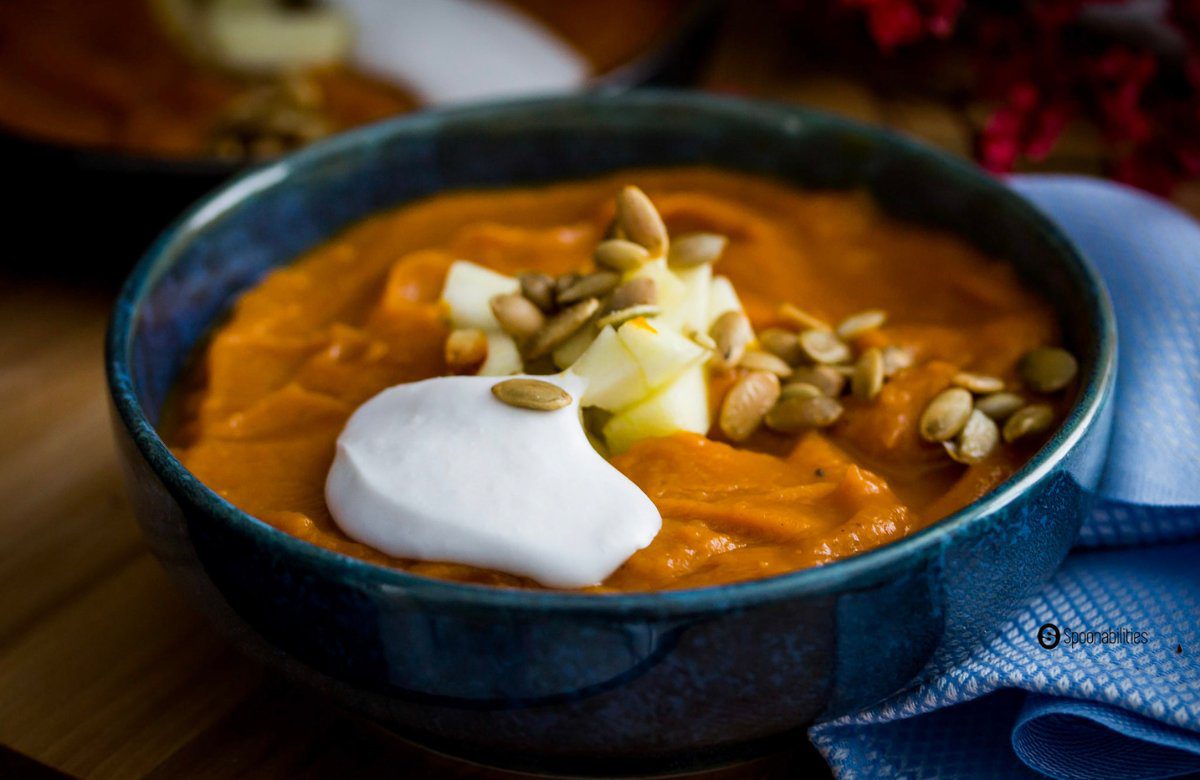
{"points": [[1027, 125], [895, 23], [1119, 78], [1047, 67]]}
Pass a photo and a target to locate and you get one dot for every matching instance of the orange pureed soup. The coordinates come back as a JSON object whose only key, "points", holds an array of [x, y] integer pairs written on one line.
{"points": [[258, 416]]}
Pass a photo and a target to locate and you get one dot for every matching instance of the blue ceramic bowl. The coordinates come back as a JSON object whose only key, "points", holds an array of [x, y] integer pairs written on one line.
{"points": [[575, 683]]}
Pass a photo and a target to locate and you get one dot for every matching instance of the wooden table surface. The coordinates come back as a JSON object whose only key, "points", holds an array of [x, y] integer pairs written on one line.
{"points": [[105, 669]]}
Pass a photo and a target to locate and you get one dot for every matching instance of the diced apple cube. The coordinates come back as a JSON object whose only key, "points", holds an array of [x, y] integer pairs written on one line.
{"points": [[614, 378], [469, 291], [680, 406], [690, 312], [722, 298], [662, 354], [669, 290], [503, 357], [266, 39]]}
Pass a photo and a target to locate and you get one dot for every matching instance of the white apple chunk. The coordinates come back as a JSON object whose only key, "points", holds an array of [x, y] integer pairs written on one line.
{"points": [[468, 292], [503, 357], [661, 354], [260, 38], [690, 313], [648, 371], [668, 289], [680, 406], [722, 298], [615, 379]]}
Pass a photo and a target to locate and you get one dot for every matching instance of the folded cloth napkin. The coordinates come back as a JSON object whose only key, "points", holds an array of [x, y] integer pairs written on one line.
{"points": [[1118, 696]]}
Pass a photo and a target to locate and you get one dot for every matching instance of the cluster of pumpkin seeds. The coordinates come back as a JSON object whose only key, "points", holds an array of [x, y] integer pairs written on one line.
{"points": [[792, 377], [796, 375], [971, 417], [548, 310], [270, 118]]}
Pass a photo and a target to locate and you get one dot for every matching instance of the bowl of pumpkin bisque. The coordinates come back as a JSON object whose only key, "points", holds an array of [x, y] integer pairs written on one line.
{"points": [[611, 434]]}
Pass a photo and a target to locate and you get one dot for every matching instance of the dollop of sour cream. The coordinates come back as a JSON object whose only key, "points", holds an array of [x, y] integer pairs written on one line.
{"points": [[440, 470], [448, 51]]}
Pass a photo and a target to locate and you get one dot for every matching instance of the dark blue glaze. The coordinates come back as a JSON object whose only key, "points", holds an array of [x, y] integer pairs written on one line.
{"points": [[583, 683]]}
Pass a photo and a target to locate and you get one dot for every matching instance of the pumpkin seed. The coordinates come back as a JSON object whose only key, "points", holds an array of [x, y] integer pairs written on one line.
{"points": [[896, 359], [978, 383], [696, 249], [559, 328], [465, 350], [765, 361], [946, 415], [857, 324], [614, 230], [798, 319], [617, 254], [868, 375], [594, 285], [704, 340], [594, 420], [302, 91], [799, 390], [566, 353], [1047, 369], [1028, 421], [999, 406], [829, 380], [976, 441], [517, 315], [732, 332], [621, 316], [781, 343], [822, 346], [562, 283], [745, 404], [531, 394], [640, 221], [539, 289], [800, 412], [641, 291], [543, 366]]}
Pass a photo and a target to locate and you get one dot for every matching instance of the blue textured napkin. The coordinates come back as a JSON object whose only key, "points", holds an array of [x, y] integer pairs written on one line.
{"points": [[1115, 709]]}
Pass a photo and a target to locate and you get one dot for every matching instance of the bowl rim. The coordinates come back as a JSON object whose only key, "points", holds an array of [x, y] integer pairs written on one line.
{"points": [[835, 576]]}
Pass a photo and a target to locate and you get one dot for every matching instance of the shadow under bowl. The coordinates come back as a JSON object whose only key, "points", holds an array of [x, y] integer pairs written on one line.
{"points": [[587, 684]]}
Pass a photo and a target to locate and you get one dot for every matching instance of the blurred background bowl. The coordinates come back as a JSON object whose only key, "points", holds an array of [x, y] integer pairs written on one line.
{"points": [[118, 196]]}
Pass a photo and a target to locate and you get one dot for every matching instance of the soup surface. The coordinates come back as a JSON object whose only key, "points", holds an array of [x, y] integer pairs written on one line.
{"points": [[258, 417]]}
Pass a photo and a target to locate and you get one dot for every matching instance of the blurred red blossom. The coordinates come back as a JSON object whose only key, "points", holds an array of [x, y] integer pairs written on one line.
{"points": [[1042, 66], [1025, 126], [894, 23], [1117, 79]]}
